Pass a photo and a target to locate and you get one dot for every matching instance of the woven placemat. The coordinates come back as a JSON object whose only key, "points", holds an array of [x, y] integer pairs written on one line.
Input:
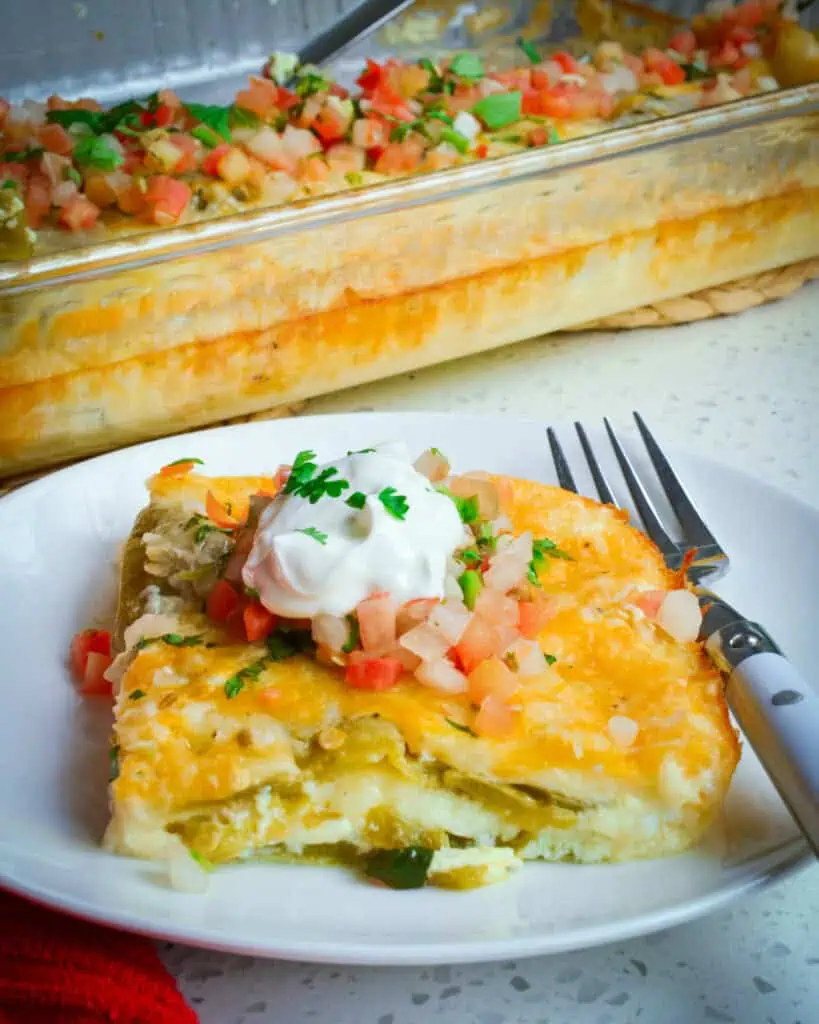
{"points": [[734, 297]]}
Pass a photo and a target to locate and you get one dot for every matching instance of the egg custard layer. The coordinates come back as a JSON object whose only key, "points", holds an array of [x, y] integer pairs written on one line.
{"points": [[620, 748]]}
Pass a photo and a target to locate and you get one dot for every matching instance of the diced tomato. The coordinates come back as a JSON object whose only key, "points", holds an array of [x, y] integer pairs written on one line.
{"points": [[38, 199], [376, 622], [94, 683], [400, 157], [4, 109], [482, 151], [671, 73], [338, 90], [333, 121], [286, 100], [261, 97], [649, 601], [538, 136], [561, 101], [222, 601], [166, 199], [86, 642], [492, 677], [683, 42], [726, 56], [259, 622], [210, 163], [56, 139], [79, 214], [480, 641], [364, 672], [659, 62], [533, 617], [750, 14], [178, 468], [163, 115], [495, 718], [190, 147], [370, 78], [370, 132], [566, 61], [387, 102]]}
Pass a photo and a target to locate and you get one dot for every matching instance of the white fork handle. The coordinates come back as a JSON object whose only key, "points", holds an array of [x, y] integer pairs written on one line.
{"points": [[779, 713]]}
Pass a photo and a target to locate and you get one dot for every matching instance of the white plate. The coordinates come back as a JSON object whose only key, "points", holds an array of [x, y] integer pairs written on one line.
{"points": [[60, 540]]}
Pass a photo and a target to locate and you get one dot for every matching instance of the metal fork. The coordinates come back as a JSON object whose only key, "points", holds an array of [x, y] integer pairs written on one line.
{"points": [[777, 710]]}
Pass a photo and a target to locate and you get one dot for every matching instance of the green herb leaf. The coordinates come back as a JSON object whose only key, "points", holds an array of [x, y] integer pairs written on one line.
{"points": [[236, 683], [251, 592], [72, 174], [310, 82], [470, 557], [438, 452], [91, 151], [203, 862], [485, 537], [363, 451], [467, 65], [436, 79], [10, 183], [180, 462], [136, 695], [178, 640], [542, 550], [280, 647], [354, 636], [207, 136], [396, 504], [317, 535], [241, 118], [357, 499], [460, 142], [203, 527], [443, 116], [460, 727], [549, 658], [695, 72], [471, 584], [69, 118], [400, 869], [499, 109], [530, 50], [19, 156], [113, 763], [214, 116]]}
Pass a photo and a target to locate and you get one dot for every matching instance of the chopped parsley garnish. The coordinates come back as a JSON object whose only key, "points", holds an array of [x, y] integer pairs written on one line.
{"points": [[549, 658], [460, 727], [317, 535], [499, 109], [204, 526], [183, 462], [400, 869], [354, 636], [213, 116], [10, 183], [460, 142], [436, 80], [363, 451], [303, 469], [309, 82], [530, 50], [19, 156], [69, 118], [396, 504], [280, 647], [177, 640], [357, 499], [467, 65], [470, 557], [113, 763], [305, 484], [136, 695], [92, 151], [485, 536], [542, 550], [236, 683]]}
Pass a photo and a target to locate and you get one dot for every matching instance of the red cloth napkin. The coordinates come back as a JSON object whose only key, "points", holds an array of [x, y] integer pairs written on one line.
{"points": [[60, 970]]}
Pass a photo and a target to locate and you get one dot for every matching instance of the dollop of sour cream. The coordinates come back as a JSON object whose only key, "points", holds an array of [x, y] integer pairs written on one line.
{"points": [[325, 558]]}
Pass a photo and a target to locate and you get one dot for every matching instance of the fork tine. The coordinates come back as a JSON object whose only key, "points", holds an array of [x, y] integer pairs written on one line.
{"points": [[696, 532], [600, 482], [651, 523], [564, 474]]}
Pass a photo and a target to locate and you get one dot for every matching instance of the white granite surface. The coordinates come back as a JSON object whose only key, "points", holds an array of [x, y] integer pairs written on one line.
{"points": [[746, 391]]}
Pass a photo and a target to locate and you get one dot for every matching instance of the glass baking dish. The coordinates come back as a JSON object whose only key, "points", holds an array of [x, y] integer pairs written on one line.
{"points": [[159, 331]]}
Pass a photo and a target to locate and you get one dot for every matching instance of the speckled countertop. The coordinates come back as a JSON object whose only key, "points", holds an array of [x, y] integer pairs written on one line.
{"points": [[746, 391]]}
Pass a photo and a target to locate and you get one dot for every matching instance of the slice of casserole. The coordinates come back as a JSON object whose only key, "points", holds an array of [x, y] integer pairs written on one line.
{"points": [[549, 702]]}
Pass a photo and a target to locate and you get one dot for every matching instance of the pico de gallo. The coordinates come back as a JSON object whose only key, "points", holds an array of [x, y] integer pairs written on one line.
{"points": [[295, 132]]}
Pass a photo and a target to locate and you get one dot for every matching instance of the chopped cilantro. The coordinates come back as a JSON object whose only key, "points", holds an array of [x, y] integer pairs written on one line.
{"points": [[485, 536], [470, 557], [113, 763], [69, 118], [695, 72], [309, 82], [499, 109], [460, 142], [317, 535], [400, 869], [10, 183], [203, 527], [542, 550], [438, 452], [354, 636], [207, 136], [363, 451], [436, 80], [549, 658], [467, 65], [215, 117], [529, 49], [177, 640], [92, 151], [357, 499], [445, 118], [136, 695], [241, 118], [236, 683], [279, 646], [19, 156], [401, 131], [460, 727], [396, 504], [182, 462]]}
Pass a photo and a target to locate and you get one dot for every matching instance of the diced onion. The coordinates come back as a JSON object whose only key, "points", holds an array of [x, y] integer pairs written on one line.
{"points": [[680, 616], [184, 873], [623, 730], [150, 625], [450, 619], [467, 125], [63, 193], [510, 565], [441, 675], [472, 485], [426, 642], [433, 466], [529, 658], [620, 79], [331, 631]]}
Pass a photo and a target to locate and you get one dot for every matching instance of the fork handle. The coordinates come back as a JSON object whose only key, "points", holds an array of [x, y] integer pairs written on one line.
{"points": [[778, 710]]}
